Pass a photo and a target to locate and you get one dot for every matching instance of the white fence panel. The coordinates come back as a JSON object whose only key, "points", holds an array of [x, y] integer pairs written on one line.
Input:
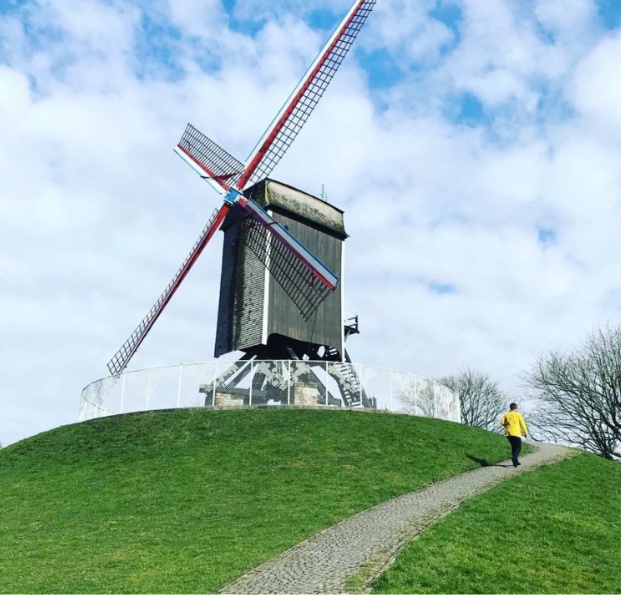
{"points": [[230, 384]]}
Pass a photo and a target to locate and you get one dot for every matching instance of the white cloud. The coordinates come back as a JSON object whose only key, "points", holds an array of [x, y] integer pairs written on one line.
{"points": [[201, 18], [407, 31], [596, 86], [571, 21]]}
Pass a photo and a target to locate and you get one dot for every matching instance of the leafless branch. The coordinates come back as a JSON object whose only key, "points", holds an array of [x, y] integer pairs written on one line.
{"points": [[482, 402], [579, 394]]}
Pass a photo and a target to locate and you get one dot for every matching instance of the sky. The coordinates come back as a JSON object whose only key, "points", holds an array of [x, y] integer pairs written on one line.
{"points": [[475, 148]]}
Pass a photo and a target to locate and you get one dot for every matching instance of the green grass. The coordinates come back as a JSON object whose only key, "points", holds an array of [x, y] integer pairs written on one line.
{"points": [[554, 530], [188, 500]]}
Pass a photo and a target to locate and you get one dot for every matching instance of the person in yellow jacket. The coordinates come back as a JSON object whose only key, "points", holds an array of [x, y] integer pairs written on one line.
{"points": [[515, 426]]}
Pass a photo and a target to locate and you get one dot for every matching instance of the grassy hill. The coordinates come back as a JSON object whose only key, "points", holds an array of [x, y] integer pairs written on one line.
{"points": [[554, 530], [188, 500]]}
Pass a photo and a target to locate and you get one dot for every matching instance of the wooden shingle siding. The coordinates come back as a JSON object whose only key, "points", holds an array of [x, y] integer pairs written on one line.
{"points": [[242, 289], [284, 318], [249, 300], [224, 332]]}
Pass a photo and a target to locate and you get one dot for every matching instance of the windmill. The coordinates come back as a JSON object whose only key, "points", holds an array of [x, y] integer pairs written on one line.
{"points": [[301, 275]]}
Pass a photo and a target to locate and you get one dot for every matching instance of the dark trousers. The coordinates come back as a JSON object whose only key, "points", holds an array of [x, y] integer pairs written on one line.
{"points": [[516, 447]]}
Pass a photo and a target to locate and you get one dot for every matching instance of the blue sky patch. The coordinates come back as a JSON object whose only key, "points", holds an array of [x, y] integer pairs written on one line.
{"points": [[471, 110], [323, 19], [248, 27], [466, 109], [441, 288], [451, 15], [244, 26], [546, 236], [155, 48], [383, 71], [609, 13], [8, 6]]}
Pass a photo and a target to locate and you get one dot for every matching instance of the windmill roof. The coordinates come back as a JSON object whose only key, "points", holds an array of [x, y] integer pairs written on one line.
{"points": [[287, 198]]}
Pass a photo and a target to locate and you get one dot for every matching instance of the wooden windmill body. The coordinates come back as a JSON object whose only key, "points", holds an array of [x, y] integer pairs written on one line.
{"points": [[256, 314]]}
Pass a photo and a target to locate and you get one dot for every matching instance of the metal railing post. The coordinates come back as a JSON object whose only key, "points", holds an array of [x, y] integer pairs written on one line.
{"points": [[327, 379], [213, 392], [289, 385], [389, 390], [251, 382], [360, 382]]}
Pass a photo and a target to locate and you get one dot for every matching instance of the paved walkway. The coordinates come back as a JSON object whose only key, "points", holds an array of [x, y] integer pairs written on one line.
{"points": [[366, 543]]}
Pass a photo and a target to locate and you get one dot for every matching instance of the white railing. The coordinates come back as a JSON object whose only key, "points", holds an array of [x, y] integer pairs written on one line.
{"points": [[227, 384]]}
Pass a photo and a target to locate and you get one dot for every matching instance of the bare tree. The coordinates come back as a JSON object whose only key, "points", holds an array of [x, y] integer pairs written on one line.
{"points": [[418, 397], [482, 402], [580, 394]]}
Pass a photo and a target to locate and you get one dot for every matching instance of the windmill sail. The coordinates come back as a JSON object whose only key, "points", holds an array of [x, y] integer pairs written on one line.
{"points": [[302, 102], [121, 358], [209, 159]]}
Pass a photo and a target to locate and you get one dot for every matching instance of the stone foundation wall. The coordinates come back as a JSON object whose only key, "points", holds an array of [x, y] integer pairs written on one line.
{"points": [[229, 401], [305, 395]]}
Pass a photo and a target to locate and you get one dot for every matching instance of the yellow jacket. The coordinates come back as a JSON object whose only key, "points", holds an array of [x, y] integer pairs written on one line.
{"points": [[513, 423]]}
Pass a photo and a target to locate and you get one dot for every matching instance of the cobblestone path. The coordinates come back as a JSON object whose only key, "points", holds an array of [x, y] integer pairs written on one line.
{"points": [[368, 542]]}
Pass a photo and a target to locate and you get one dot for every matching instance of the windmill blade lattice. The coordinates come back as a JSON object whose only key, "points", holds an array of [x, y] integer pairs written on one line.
{"points": [[211, 158], [121, 358], [299, 283], [302, 102]]}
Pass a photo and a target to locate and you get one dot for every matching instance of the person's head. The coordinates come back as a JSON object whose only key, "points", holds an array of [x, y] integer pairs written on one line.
{"points": [[513, 406]]}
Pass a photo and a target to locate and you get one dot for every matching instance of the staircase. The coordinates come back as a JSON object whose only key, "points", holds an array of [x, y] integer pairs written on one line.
{"points": [[346, 378]]}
